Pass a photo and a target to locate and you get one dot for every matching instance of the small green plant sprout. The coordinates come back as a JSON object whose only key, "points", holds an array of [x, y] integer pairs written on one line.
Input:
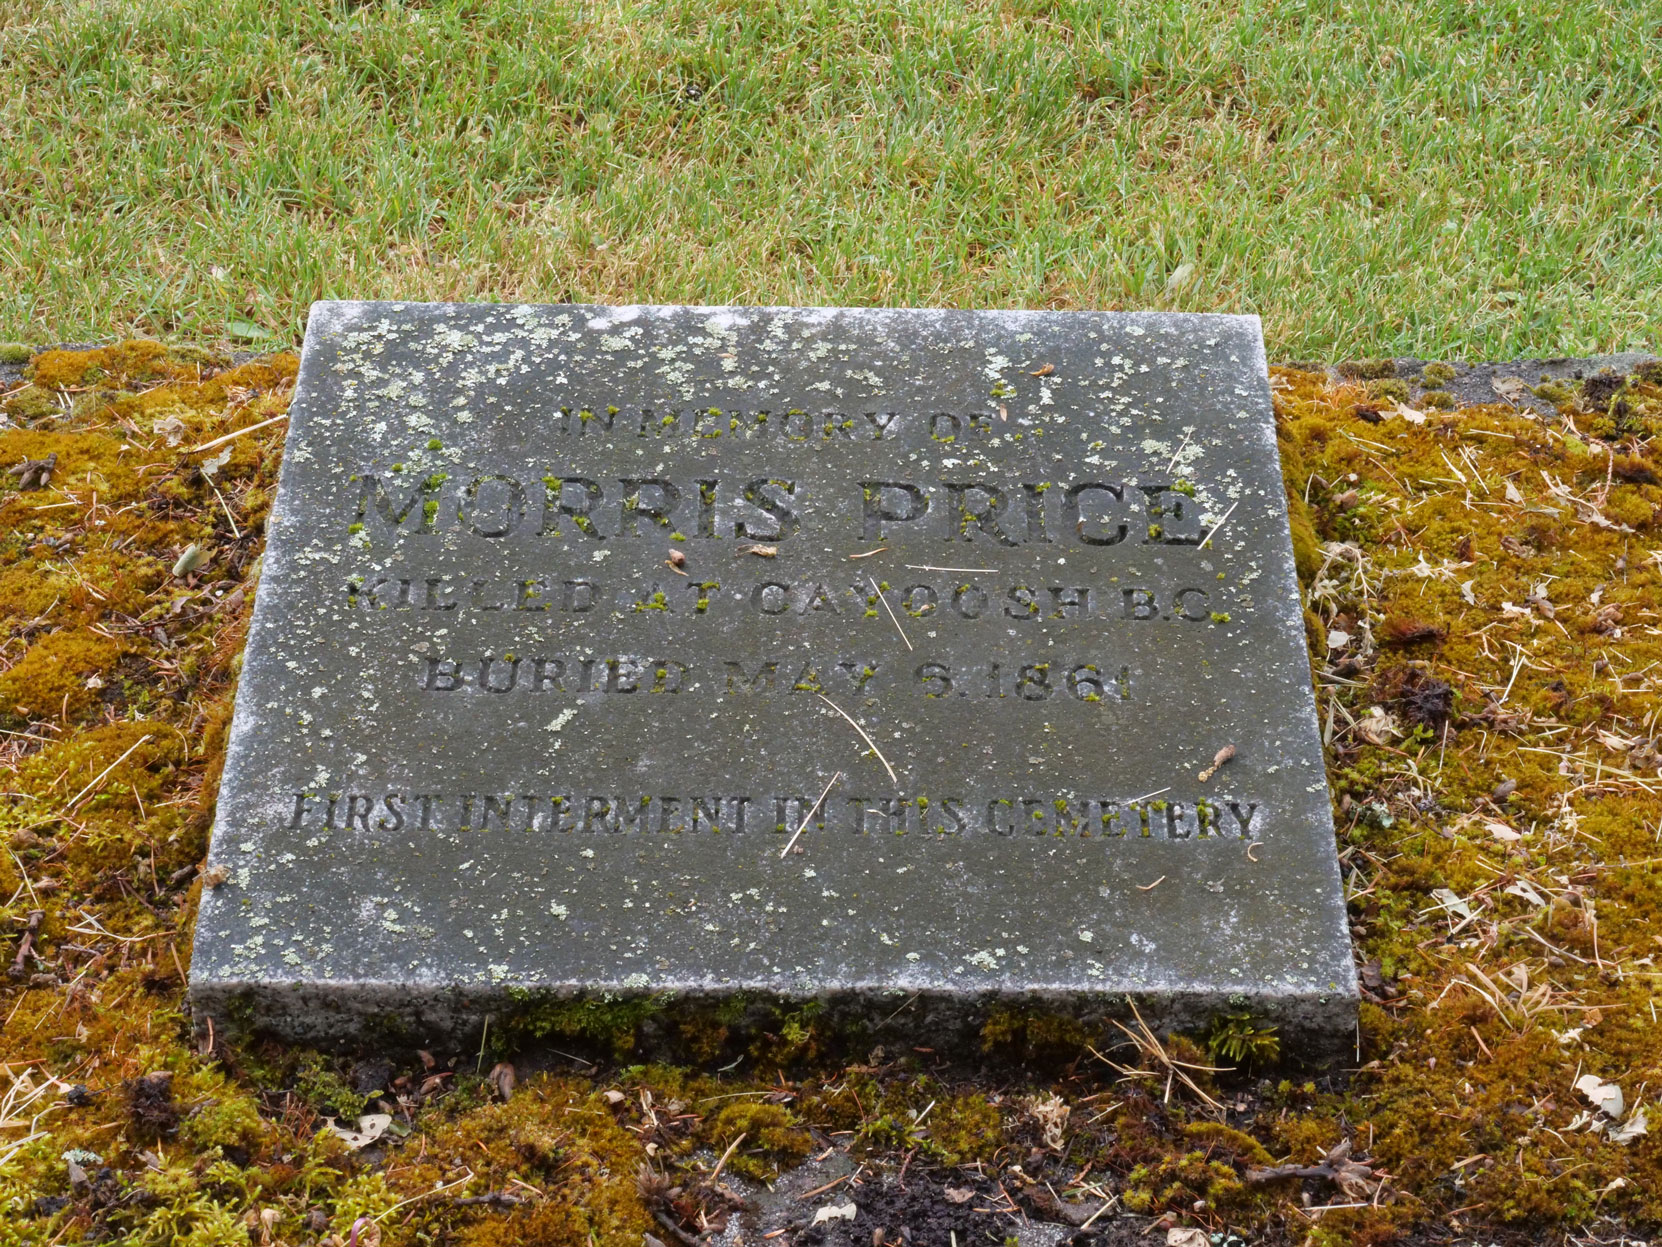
{"points": [[1238, 1039]]}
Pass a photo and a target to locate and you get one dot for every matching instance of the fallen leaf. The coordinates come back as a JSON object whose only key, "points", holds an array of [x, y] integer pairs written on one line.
{"points": [[35, 473], [171, 428], [958, 1194], [836, 1212], [1632, 1128], [1451, 902], [1605, 1096], [1379, 726], [1513, 389], [189, 561], [1188, 1238], [502, 1078], [371, 1126], [1523, 890]]}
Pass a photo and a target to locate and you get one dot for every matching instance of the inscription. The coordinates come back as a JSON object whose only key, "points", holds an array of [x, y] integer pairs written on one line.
{"points": [[625, 674], [935, 600], [770, 509], [1009, 816]]}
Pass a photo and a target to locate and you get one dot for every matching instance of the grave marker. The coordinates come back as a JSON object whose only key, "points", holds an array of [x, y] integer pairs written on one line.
{"points": [[864, 656]]}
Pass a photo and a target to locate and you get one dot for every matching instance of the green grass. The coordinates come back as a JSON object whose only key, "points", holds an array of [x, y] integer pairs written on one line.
{"points": [[1443, 178]]}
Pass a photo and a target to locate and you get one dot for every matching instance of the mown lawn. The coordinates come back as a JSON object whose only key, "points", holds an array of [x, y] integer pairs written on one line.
{"points": [[1436, 179]]}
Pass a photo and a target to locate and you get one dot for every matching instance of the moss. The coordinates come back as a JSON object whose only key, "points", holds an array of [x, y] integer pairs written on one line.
{"points": [[794, 1035], [773, 1138], [1436, 376], [1388, 388], [14, 353], [30, 404], [325, 1090], [611, 1025], [1368, 369], [1239, 1040], [1179, 1183], [703, 1037], [227, 1119], [965, 1129], [1236, 1142], [1033, 1036], [1554, 392], [1413, 815], [51, 680], [1438, 400]]}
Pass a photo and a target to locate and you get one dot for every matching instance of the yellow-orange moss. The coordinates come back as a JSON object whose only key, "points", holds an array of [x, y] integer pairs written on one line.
{"points": [[557, 1134], [1506, 557], [51, 680], [1540, 602]]}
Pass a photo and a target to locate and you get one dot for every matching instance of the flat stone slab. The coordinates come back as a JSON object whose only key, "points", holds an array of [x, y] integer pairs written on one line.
{"points": [[868, 657]]}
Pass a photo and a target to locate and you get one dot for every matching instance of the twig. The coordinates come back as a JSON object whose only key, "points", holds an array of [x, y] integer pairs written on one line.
{"points": [[682, 1235], [897, 1012], [820, 1190], [1175, 456], [810, 816], [220, 441], [77, 798], [492, 1198], [925, 567], [722, 1163], [863, 736], [438, 1190], [27, 943], [868, 553], [1106, 1205], [1147, 795], [890, 609], [1219, 524], [235, 532]]}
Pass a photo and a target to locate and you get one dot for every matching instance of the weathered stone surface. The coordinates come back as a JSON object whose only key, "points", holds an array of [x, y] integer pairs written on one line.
{"points": [[563, 609]]}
